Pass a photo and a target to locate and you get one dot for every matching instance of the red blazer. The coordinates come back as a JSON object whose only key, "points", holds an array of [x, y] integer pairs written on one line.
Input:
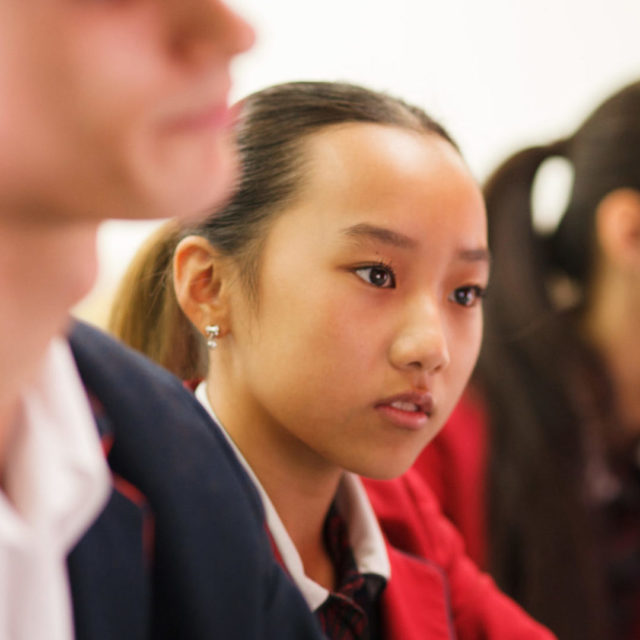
{"points": [[436, 591], [453, 469]]}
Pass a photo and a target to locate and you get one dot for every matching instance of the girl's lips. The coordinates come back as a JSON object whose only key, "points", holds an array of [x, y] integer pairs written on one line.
{"points": [[411, 420], [408, 410]]}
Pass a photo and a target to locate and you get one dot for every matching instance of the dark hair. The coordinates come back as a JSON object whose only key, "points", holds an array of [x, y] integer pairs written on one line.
{"points": [[547, 392], [270, 131]]}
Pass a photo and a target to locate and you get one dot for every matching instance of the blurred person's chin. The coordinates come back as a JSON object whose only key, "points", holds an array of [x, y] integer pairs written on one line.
{"points": [[184, 178]]}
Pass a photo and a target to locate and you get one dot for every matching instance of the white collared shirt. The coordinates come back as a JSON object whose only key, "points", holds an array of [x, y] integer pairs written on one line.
{"points": [[365, 536], [56, 482]]}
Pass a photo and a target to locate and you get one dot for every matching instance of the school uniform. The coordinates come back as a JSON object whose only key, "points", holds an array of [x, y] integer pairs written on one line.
{"points": [[433, 593], [179, 550]]}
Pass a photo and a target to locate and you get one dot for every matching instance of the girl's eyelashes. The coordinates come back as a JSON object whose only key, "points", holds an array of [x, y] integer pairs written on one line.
{"points": [[379, 275], [382, 276], [468, 296]]}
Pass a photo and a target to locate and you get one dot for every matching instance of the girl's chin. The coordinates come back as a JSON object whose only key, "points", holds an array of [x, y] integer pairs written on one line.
{"points": [[384, 470]]}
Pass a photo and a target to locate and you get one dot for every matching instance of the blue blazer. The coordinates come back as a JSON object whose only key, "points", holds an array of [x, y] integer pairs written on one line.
{"points": [[180, 550]]}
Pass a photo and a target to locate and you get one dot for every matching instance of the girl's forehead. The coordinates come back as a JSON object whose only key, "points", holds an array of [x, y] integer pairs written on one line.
{"points": [[360, 151], [359, 166], [385, 186]]}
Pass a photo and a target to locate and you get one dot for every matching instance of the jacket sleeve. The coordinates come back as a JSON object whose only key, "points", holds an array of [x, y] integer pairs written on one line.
{"points": [[412, 520]]}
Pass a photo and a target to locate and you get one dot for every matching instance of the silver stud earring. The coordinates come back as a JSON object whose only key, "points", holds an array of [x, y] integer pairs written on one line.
{"points": [[212, 331]]}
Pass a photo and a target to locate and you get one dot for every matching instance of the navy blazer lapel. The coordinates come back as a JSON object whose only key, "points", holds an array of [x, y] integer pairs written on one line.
{"points": [[109, 567], [109, 575]]}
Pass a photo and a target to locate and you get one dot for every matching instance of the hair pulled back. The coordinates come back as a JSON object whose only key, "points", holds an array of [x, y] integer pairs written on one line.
{"points": [[145, 313]]}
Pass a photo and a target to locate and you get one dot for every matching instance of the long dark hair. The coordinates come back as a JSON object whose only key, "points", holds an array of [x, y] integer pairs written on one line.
{"points": [[270, 133], [547, 391]]}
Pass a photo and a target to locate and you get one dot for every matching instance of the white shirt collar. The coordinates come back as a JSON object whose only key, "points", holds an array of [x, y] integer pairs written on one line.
{"points": [[365, 536], [56, 482]]}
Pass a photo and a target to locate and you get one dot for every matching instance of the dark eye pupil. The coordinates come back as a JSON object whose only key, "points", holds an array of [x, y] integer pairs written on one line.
{"points": [[464, 296], [378, 276]]}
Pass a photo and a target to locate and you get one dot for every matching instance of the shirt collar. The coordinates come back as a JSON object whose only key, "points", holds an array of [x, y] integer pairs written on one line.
{"points": [[365, 536], [56, 477]]}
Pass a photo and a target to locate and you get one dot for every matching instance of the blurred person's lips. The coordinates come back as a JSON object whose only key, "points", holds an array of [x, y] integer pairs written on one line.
{"points": [[216, 116], [208, 109]]}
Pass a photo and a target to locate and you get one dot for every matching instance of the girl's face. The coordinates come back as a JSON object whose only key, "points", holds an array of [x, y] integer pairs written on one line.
{"points": [[368, 321], [115, 107]]}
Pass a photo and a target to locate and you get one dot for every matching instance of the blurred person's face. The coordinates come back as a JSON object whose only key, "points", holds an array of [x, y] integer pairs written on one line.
{"points": [[108, 108], [115, 108]]}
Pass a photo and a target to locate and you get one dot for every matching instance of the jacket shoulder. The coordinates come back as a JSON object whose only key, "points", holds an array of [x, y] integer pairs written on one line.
{"points": [[213, 572], [431, 548]]}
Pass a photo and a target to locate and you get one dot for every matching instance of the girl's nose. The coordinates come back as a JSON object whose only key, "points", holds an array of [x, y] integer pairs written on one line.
{"points": [[422, 342]]}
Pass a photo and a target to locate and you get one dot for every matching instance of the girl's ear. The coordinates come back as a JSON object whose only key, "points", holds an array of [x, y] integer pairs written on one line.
{"points": [[618, 228], [198, 277]]}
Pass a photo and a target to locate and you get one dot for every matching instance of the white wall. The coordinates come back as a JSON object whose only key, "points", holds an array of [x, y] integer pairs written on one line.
{"points": [[499, 74]]}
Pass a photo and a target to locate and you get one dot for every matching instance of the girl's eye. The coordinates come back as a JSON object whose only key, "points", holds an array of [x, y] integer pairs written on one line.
{"points": [[467, 296], [378, 275]]}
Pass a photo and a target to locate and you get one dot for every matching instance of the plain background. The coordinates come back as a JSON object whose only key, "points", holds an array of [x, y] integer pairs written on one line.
{"points": [[499, 74]]}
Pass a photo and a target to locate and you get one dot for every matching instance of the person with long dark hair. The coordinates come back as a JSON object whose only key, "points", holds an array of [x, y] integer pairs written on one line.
{"points": [[539, 466]]}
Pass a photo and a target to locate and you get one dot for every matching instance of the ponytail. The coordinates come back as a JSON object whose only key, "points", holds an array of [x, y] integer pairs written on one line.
{"points": [[539, 533], [145, 313], [514, 241]]}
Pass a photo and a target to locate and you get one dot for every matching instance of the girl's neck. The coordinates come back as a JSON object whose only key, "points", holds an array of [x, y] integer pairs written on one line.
{"points": [[299, 483], [303, 507]]}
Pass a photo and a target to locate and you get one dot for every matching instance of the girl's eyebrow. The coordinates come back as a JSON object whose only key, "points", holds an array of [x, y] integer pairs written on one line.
{"points": [[475, 255], [382, 234], [366, 231]]}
